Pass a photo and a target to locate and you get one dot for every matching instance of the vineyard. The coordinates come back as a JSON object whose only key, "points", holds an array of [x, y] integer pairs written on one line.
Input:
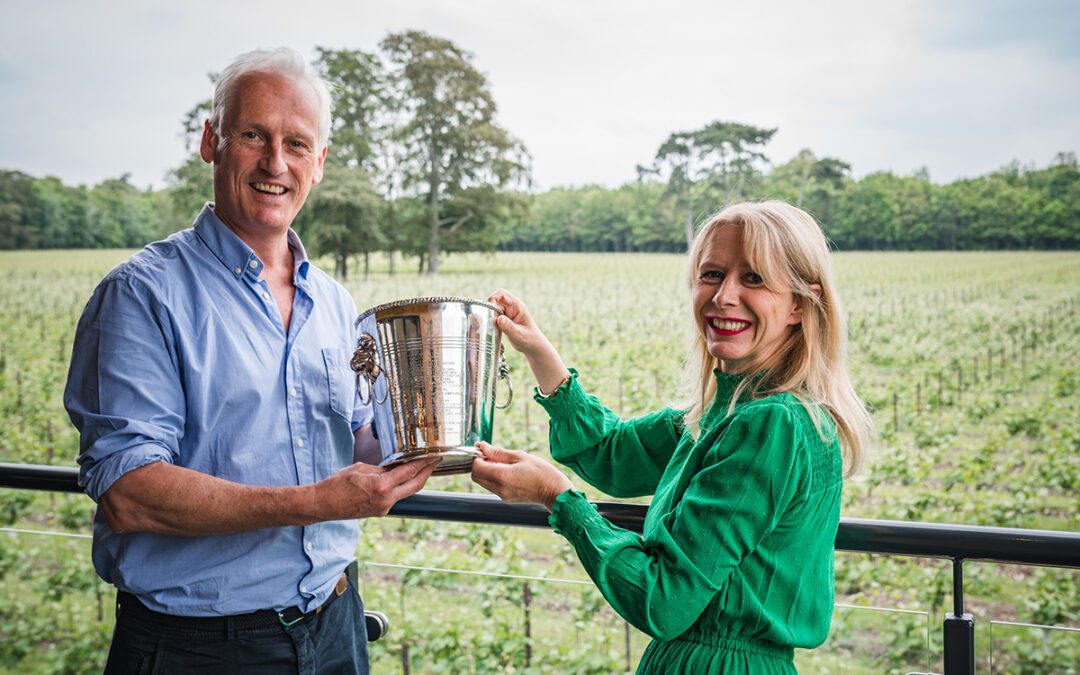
{"points": [[969, 361]]}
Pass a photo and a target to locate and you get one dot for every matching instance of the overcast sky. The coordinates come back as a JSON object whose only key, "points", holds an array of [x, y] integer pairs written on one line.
{"points": [[92, 90]]}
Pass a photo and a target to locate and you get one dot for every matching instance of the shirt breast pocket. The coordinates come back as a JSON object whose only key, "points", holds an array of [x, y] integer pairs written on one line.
{"points": [[341, 381]]}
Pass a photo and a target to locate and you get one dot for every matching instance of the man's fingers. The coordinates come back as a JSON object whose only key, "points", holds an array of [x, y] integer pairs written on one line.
{"points": [[361, 467], [409, 470], [413, 484]]}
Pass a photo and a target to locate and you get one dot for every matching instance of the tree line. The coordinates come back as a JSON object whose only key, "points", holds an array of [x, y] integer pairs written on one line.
{"points": [[1014, 207], [418, 164]]}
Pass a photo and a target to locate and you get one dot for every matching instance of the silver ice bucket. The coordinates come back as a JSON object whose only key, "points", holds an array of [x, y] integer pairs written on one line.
{"points": [[431, 365]]}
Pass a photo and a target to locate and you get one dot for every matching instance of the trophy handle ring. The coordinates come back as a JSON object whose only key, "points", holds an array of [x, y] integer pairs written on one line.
{"points": [[365, 363], [504, 374]]}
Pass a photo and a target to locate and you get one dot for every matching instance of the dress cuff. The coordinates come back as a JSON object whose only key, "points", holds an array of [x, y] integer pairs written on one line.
{"points": [[570, 511], [565, 397]]}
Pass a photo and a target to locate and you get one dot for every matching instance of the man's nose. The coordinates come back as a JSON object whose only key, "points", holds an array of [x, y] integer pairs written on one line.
{"points": [[273, 159]]}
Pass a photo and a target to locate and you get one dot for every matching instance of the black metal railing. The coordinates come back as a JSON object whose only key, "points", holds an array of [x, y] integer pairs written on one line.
{"points": [[958, 543]]}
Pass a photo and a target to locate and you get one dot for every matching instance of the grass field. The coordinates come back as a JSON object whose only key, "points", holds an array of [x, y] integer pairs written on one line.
{"points": [[969, 362]]}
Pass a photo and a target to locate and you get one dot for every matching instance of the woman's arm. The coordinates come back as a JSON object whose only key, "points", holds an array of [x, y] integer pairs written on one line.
{"points": [[662, 583], [623, 458]]}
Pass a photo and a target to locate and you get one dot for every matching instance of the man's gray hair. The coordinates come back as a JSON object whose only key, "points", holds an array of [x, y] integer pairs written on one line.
{"points": [[282, 60]]}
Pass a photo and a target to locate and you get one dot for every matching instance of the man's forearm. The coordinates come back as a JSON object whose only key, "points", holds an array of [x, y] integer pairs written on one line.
{"points": [[168, 499]]}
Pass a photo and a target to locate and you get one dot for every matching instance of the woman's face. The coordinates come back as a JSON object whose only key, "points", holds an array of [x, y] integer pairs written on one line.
{"points": [[742, 321]]}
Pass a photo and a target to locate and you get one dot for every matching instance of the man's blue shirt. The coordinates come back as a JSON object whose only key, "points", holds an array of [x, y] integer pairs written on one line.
{"points": [[181, 356]]}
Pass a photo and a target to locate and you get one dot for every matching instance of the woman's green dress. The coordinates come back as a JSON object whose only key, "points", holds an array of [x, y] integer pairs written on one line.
{"points": [[735, 565]]}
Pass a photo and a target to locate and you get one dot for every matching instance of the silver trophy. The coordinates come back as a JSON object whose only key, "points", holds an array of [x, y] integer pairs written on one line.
{"points": [[430, 366]]}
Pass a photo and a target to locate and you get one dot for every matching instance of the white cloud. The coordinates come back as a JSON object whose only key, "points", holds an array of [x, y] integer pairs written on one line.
{"points": [[98, 89]]}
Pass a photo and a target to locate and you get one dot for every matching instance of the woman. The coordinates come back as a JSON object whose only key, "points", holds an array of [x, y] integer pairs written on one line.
{"points": [[735, 566]]}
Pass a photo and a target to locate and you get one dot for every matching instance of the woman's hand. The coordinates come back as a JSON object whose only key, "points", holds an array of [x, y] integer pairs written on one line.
{"points": [[525, 336], [518, 477], [517, 324]]}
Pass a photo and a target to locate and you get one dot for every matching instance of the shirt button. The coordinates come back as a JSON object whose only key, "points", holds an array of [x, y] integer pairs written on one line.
{"points": [[266, 296], [238, 270], [292, 392], [300, 442], [303, 589], [253, 264], [309, 546]]}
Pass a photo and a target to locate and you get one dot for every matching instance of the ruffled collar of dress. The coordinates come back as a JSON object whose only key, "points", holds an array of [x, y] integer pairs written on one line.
{"points": [[726, 383], [725, 388]]}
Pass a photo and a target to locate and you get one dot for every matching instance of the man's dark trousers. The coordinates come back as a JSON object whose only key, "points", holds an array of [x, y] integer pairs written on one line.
{"points": [[331, 641]]}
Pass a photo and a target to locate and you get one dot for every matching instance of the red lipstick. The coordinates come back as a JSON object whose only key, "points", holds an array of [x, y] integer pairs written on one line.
{"points": [[714, 323]]}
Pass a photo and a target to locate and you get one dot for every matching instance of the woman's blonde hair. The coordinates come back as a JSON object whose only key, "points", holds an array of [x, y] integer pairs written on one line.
{"points": [[786, 247]]}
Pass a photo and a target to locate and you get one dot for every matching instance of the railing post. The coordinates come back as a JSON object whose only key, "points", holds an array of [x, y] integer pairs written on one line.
{"points": [[959, 630]]}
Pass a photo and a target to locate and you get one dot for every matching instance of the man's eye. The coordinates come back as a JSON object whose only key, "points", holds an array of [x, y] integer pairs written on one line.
{"points": [[249, 135]]}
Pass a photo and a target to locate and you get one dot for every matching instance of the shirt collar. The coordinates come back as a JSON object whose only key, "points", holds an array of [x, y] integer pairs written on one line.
{"points": [[300, 257], [237, 256]]}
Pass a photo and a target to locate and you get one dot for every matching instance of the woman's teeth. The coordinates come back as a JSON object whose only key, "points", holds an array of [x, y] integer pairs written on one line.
{"points": [[728, 325]]}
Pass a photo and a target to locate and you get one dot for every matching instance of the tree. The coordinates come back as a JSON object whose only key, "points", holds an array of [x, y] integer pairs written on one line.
{"points": [[451, 142], [342, 215], [191, 185], [20, 219], [362, 139], [120, 215], [63, 214], [362, 96], [867, 214], [720, 157]]}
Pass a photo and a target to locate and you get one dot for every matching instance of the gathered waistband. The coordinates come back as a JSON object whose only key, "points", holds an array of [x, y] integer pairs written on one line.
{"points": [[761, 647]]}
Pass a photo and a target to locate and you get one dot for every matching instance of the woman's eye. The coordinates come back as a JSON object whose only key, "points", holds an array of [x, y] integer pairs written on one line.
{"points": [[712, 275], [754, 279]]}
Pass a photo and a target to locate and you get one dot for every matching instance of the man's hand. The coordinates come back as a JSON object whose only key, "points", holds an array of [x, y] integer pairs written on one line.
{"points": [[518, 477], [365, 491]]}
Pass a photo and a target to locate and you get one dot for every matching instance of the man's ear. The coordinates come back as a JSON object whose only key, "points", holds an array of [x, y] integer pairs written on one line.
{"points": [[208, 144], [317, 175]]}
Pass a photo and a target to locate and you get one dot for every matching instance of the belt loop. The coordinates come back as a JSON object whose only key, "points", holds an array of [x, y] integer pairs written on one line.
{"points": [[353, 574], [230, 628]]}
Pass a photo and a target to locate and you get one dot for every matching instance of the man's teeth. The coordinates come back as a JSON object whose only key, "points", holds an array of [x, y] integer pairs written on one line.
{"points": [[729, 325], [266, 187]]}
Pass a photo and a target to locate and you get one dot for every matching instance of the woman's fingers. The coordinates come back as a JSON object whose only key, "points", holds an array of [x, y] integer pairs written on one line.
{"points": [[498, 455], [512, 306]]}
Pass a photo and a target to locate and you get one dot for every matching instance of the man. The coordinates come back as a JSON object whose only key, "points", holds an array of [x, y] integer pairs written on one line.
{"points": [[218, 416]]}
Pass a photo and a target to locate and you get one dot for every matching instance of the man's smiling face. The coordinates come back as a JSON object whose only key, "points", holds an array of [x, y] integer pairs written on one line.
{"points": [[265, 155]]}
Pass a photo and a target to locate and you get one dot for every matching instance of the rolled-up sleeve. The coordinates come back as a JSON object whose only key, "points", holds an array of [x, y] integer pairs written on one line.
{"points": [[124, 392]]}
